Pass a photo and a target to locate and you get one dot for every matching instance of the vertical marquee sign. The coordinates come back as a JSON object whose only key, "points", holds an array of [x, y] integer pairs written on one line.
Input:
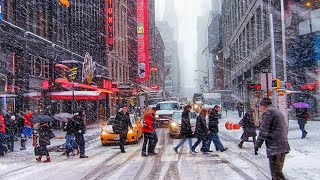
{"points": [[110, 24], [143, 40]]}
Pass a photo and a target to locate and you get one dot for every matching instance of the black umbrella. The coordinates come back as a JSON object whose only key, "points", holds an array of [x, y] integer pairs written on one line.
{"points": [[65, 117], [41, 118]]}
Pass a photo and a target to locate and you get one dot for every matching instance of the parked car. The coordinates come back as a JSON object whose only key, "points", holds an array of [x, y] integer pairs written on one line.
{"points": [[175, 123], [107, 135]]}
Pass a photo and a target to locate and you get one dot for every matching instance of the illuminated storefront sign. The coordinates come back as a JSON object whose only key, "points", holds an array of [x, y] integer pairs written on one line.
{"points": [[143, 39], [110, 25]]}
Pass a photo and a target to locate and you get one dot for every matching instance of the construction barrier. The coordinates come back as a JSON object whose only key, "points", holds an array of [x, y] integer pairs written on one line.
{"points": [[231, 126]]}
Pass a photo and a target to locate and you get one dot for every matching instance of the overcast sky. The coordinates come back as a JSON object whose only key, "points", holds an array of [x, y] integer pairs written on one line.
{"points": [[187, 12]]}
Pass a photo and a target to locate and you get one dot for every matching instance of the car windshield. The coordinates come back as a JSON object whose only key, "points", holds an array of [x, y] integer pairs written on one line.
{"points": [[132, 119], [212, 101], [154, 101], [111, 121], [167, 106]]}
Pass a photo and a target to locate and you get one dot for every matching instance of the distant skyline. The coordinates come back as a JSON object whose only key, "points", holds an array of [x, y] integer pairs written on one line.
{"points": [[187, 12]]}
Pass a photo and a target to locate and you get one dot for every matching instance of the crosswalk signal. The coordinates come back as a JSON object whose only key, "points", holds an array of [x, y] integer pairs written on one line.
{"points": [[276, 83], [65, 3]]}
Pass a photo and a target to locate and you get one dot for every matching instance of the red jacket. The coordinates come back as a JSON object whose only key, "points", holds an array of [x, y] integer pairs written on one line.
{"points": [[148, 121], [27, 121], [2, 125]]}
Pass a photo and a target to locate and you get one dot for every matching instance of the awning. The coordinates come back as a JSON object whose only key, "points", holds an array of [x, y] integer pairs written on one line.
{"points": [[78, 95], [32, 95], [7, 95]]}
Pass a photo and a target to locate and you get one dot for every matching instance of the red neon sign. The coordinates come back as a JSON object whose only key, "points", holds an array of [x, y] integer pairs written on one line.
{"points": [[143, 39], [110, 24]]}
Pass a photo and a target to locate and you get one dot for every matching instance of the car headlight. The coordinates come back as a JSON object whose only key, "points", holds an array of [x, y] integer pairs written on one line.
{"points": [[157, 116], [103, 132], [196, 106], [174, 124]]}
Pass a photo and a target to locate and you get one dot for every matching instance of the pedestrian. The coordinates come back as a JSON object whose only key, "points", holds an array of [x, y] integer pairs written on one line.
{"points": [[185, 132], [213, 132], [121, 125], [147, 130], [240, 109], [3, 137], [154, 136], [248, 126], [201, 131], [45, 134], [11, 127], [71, 144], [303, 116], [274, 131], [27, 130], [79, 131]]}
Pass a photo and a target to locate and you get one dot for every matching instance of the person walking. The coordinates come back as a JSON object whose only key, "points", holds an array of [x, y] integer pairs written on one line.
{"points": [[248, 126], [71, 144], [213, 131], [303, 117], [147, 130], [79, 131], [201, 131], [121, 125], [154, 136], [45, 134], [240, 109], [26, 130], [274, 132], [185, 132], [11, 127], [3, 137]]}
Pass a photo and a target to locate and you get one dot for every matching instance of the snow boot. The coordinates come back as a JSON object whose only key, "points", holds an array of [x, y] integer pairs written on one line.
{"points": [[38, 159], [48, 160]]}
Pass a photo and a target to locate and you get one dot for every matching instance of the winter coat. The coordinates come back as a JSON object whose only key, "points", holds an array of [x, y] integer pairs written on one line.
{"points": [[27, 121], [240, 107], [2, 125], [45, 134], [302, 116], [78, 126], [71, 126], [201, 131], [185, 131], [11, 126], [274, 132], [213, 121], [148, 127], [247, 124], [122, 120]]}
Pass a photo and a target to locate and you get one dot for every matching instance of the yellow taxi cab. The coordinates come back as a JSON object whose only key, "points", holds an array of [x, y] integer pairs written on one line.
{"points": [[107, 136]]}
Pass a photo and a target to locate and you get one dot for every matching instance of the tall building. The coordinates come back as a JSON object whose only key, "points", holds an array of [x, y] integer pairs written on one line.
{"points": [[132, 40], [37, 39]]}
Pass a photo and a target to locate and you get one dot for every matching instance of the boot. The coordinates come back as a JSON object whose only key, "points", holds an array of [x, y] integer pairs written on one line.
{"points": [[240, 144], [144, 154], [23, 145], [48, 159], [38, 159]]}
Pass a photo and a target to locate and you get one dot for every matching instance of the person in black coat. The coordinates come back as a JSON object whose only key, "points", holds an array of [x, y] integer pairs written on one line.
{"points": [[248, 126], [11, 127], [45, 134], [213, 131], [185, 132], [274, 132], [80, 130], [240, 109], [302, 116], [121, 125], [201, 131], [70, 137]]}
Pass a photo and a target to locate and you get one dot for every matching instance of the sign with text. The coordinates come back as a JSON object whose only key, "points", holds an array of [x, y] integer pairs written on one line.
{"points": [[143, 40], [110, 24], [266, 78]]}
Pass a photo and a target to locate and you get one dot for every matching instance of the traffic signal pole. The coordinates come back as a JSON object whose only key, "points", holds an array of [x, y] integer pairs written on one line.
{"points": [[273, 59]]}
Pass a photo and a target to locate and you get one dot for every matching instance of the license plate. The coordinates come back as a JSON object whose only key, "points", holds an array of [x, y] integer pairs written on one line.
{"points": [[117, 138]]}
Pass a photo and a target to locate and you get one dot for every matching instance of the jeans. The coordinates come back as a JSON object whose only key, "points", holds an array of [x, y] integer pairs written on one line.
{"points": [[147, 138], [182, 142], [240, 113], [276, 164], [81, 143], [70, 143], [195, 145], [153, 142], [214, 137], [123, 138], [303, 130]]}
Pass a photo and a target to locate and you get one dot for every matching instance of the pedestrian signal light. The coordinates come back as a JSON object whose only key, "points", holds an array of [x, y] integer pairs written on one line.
{"points": [[258, 87], [276, 83]]}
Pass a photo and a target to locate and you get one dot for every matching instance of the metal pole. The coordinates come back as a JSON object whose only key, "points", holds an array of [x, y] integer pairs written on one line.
{"points": [[273, 59], [284, 51], [72, 97]]}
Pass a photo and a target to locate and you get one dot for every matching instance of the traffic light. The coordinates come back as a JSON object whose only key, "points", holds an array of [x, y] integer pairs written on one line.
{"points": [[64, 3], [276, 83]]}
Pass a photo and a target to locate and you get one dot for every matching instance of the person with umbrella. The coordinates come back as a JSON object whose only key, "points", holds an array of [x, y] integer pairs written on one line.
{"points": [[303, 116], [27, 129], [40, 147]]}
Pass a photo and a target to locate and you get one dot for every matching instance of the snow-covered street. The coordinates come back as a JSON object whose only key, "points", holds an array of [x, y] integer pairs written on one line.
{"points": [[106, 162]]}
